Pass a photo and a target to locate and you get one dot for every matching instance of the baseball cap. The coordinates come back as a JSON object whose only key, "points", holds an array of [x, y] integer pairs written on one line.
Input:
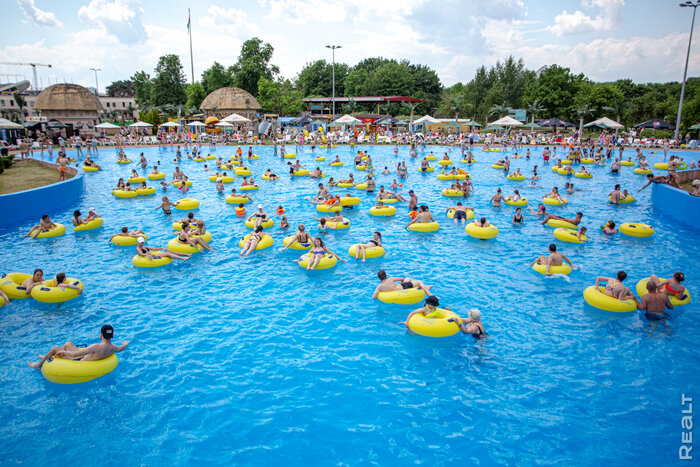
{"points": [[432, 301], [107, 331], [141, 240], [260, 206], [92, 210]]}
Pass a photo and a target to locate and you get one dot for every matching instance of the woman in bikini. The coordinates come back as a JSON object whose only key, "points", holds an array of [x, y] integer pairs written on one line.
{"points": [[614, 287], [361, 247], [185, 238], [671, 287], [145, 251], [252, 243], [318, 251], [472, 326], [301, 237]]}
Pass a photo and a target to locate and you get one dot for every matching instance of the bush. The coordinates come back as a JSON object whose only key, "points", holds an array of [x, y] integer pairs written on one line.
{"points": [[5, 162]]}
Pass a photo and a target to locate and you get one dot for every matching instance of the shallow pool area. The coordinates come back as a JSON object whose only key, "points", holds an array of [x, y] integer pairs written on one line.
{"points": [[257, 361]]}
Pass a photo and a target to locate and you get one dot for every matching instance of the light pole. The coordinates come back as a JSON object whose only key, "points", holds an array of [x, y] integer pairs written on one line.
{"points": [[333, 47], [694, 5], [97, 86]]}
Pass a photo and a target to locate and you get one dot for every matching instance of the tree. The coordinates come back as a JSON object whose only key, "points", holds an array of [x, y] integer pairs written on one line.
{"points": [[151, 116], [279, 97], [169, 82], [355, 82], [533, 108], [582, 112], [498, 110], [142, 88], [216, 77], [555, 88], [253, 63], [121, 88], [19, 99], [195, 95], [316, 79]]}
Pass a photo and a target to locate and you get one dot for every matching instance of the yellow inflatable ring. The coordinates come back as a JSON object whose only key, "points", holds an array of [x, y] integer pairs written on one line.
{"points": [[198, 159], [554, 202], [250, 223], [566, 161], [242, 172], [661, 165], [48, 293], [434, 324], [451, 214], [320, 158], [349, 201], [587, 160], [127, 161], [596, 298], [390, 200], [569, 235], [237, 199], [452, 193], [301, 173], [124, 194], [137, 179], [516, 177], [127, 240], [427, 169], [563, 172], [583, 175], [178, 247], [296, 246], [344, 224], [402, 297], [207, 236], [89, 168], [462, 176], [637, 230], [187, 204], [627, 163], [145, 262], [226, 179], [626, 200], [445, 162], [675, 301], [482, 233], [146, 191], [57, 231], [370, 252], [64, 371], [385, 211], [563, 269], [252, 157], [424, 227], [430, 158], [290, 156], [11, 284], [361, 186], [328, 261], [499, 167], [521, 202], [555, 168], [361, 167], [445, 177], [156, 176], [178, 183], [560, 223], [344, 185], [93, 224], [265, 242], [326, 208], [336, 164], [640, 171], [248, 187]]}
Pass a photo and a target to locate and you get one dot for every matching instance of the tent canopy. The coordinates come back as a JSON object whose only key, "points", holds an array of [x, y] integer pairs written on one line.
{"points": [[8, 125], [605, 123], [235, 118], [425, 119], [507, 121]]}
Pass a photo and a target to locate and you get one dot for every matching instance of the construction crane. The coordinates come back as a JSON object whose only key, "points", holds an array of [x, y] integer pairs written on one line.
{"points": [[33, 65]]}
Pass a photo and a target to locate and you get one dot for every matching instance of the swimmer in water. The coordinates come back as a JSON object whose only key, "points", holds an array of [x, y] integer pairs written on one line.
{"points": [[555, 258]]}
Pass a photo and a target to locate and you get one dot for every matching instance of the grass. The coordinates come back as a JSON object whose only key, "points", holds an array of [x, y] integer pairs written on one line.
{"points": [[25, 175]]}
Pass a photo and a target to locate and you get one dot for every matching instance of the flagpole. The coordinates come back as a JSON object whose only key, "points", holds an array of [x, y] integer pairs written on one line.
{"points": [[189, 24]]}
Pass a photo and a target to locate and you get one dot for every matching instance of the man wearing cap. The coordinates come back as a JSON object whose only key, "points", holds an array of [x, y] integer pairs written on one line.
{"points": [[90, 353], [430, 305]]}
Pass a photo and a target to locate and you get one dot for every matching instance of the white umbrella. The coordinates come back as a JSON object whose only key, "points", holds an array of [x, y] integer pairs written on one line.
{"points": [[347, 119], [171, 124], [196, 123], [235, 118], [426, 119], [140, 124], [507, 121], [607, 122], [107, 126], [223, 124], [8, 125]]}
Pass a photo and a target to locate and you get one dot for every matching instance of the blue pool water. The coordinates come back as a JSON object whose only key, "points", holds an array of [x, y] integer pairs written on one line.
{"points": [[256, 361]]}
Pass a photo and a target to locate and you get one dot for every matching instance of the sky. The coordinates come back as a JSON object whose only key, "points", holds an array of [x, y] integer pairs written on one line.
{"points": [[643, 40]]}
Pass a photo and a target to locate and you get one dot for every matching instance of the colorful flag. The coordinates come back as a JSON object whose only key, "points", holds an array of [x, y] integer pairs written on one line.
{"points": [[189, 20]]}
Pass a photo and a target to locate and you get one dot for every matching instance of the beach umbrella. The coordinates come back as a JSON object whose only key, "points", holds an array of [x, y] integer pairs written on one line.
{"points": [[107, 126], [453, 124], [301, 121], [473, 123], [401, 123], [425, 119], [170, 124], [9, 125], [507, 121], [493, 128], [388, 120], [224, 125], [196, 123], [606, 123], [347, 120], [140, 124], [532, 126], [656, 125], [556, 122], [695, 127], [235, 118]]}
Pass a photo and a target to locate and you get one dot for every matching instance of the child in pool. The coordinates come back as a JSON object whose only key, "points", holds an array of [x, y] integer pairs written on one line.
{"points": [[166, 205], [284, 223], [219, 185]]}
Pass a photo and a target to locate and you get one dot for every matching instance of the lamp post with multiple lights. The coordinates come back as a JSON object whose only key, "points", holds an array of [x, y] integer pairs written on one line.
{"points": [[333, 47], [97, 86], [694, 5]]}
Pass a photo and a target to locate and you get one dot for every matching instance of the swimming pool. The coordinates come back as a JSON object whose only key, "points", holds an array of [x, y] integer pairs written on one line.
{"points": [[256, 361]]}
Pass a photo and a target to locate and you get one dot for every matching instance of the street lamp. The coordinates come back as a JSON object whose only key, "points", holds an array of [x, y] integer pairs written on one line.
{"points": [[97, 86], [333, 47], [694, 5]]}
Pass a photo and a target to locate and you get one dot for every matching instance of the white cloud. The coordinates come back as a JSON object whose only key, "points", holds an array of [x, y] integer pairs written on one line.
{"points": [[44, 19], [120, 18], [610, 18], [345, 11], [231, 20]]}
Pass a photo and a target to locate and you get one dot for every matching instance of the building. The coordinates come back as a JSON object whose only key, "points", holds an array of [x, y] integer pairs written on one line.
{"points": [[226, 101], [70, 104], [324, 105], [113, 108]]}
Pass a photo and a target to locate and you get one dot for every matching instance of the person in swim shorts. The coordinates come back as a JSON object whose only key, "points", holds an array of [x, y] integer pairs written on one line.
{"points": [[92, 352], [390, 284], [654, 303]]}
